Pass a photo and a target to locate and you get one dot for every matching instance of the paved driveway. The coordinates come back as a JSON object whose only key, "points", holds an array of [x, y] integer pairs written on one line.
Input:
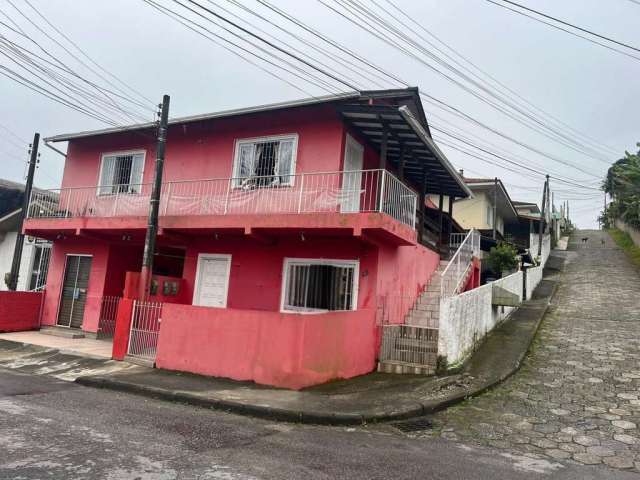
{"points": [[577, 396]]}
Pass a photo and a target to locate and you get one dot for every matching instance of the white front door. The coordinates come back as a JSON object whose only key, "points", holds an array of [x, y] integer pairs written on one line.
{"points": [[351, 176], [212, 280]]}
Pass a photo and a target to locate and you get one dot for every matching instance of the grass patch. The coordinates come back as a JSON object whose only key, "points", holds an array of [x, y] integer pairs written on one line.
{"points": [[625, 242]]}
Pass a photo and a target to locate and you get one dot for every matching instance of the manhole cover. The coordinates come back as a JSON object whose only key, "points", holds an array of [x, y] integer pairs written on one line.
{"points": [[411, 426]]}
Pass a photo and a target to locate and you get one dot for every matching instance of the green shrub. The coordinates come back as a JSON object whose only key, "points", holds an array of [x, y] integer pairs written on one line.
{"points": [[625, 242], [503, 257]]}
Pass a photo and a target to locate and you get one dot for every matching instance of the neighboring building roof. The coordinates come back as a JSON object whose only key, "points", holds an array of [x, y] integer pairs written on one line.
{"points": [[399, 111], [12, 196], [9, 222], [532, 207], [508, 210]]}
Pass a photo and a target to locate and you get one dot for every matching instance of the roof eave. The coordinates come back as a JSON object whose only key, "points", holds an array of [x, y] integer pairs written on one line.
{"points": [[206, 116], [417, 128]]}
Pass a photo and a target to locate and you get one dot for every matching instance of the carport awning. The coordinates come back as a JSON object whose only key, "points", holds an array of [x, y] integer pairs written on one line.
{"points": [[405, 132]]}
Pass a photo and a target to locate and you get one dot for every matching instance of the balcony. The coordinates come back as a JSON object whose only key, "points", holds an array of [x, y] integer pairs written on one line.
{"points": [[309, 200]]}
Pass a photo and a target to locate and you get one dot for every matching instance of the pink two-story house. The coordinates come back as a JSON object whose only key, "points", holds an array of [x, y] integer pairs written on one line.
{"points": [[287, 234]]}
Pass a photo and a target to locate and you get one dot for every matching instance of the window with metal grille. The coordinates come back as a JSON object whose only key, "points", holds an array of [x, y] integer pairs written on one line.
{"points": [[40, 266], [265, 162], [320, 285], [121, 173]]}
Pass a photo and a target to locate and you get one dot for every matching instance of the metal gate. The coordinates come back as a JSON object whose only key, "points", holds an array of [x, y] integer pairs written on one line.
{"points": [[145, 330], [108, 314]]}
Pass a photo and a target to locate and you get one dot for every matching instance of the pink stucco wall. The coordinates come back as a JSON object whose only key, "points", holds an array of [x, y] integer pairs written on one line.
{"points": [[205, 149], [55, 277], [402, 274], [109, 264], [285, 350], [256, 268]]}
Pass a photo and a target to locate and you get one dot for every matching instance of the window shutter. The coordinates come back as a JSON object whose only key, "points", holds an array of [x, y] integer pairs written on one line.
{"points": [[137, 165], [244, 165], [106, 175], [284, 167]]}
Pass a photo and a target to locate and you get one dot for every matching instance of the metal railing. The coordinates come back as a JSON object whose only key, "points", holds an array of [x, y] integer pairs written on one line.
{"points": [[108, 314], [145, 330], [346, 192], [456, 239], [459, 265], [409, 344]]}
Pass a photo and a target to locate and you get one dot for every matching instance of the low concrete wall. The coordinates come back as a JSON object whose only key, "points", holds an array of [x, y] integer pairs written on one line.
{"points": [[546, 246], [20, 311], [633, 233], [466, 318], [272, 348], [534, 275]]}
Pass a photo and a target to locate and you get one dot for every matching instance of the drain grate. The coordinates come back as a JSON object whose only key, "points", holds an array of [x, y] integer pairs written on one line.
{"points": [[413, 426]]}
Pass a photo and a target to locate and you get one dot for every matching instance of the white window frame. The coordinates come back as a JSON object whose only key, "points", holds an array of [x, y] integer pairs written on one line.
{"points": [[235, 173], [288, 261], [489, 212], [196, 287], [119, 153]]}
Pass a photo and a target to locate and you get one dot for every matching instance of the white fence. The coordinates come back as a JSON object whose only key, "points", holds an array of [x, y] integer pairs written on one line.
{"points": [[409, 344], [345, 192], [534, 275], [466, 318]]}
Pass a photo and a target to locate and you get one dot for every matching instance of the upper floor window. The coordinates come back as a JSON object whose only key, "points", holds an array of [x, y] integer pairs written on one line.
{"points": [[121, 173], [490, 216], [265, 162]]}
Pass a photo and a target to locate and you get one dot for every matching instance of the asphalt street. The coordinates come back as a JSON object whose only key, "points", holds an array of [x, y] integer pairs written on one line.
{"points": [[55, 429]]}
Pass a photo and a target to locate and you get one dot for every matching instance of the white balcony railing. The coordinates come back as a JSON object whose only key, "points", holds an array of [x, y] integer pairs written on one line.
{"points": [[459, 265], [345, 192]]}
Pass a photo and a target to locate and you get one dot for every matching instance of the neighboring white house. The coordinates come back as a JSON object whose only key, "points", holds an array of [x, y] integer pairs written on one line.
{"points": [[35, 252], [35, 255]]}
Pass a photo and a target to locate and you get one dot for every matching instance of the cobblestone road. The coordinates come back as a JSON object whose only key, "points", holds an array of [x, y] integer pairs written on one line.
{"points": [[578, 394]]}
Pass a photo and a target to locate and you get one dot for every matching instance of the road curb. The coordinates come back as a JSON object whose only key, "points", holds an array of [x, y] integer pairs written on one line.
{"points": [[315, 417]]}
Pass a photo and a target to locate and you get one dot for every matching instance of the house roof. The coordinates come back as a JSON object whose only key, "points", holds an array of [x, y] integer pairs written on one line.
{"points": [[399, 111], [505, 205], [9, 222]]}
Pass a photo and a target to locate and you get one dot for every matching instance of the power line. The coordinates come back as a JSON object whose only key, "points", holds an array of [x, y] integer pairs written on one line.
{"points": [[584, 137], [555, 19], [272, 45], [608, 47], [519, 116], [360, 59]]}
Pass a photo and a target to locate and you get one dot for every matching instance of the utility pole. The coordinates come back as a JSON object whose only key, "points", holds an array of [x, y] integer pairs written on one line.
{"points": [[12, 282], [495, 205], [152, 225], [542, 215]]}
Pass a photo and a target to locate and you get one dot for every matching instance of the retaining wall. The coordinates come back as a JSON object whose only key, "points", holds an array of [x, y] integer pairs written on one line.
{"points": [[466, 318]]}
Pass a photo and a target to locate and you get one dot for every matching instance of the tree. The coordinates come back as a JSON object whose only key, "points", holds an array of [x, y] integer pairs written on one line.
{"points": [[623, 184]]}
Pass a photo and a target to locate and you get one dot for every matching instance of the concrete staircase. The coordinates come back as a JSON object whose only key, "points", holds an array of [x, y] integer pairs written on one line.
{"points": [[412, 348]]}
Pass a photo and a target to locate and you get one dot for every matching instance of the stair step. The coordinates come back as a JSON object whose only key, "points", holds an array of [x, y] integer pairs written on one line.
{"points": [[396, 367], [64, 332]]}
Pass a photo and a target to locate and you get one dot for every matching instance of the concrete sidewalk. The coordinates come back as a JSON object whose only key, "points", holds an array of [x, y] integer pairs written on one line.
{"points": [[375, 397], [81, 346], [370, 398]]}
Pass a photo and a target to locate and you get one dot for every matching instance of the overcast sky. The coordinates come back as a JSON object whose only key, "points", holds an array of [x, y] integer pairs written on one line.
{"points": [[593, 90]]}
